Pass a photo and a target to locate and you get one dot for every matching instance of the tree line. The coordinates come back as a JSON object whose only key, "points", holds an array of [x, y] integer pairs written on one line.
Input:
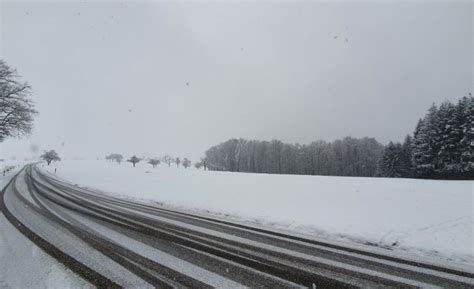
{"points": [[441, 148], [154, 162], [346, 157]]}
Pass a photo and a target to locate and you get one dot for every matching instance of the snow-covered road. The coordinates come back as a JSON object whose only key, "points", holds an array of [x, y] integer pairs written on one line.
{"points": [[114, 242], [25, 265]]}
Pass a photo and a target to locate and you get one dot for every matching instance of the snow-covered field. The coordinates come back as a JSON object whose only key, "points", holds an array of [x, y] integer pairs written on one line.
{"points": [[431, 218]]}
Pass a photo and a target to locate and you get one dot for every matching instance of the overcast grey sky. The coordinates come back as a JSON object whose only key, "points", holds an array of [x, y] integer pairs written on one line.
{"points": [[158, 77]]}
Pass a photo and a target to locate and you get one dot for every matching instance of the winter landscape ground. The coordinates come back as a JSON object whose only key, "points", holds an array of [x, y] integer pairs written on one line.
{"points": [[236, 144], [427, 218], [25, 265]]}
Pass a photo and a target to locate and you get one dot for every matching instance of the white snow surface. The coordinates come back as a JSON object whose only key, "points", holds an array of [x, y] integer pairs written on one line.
{"points": [[23, 264], [423, 217], [14, 165]]}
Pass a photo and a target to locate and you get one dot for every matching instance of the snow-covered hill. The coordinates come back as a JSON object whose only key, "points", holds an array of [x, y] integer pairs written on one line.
{"points": [[434, 218]]}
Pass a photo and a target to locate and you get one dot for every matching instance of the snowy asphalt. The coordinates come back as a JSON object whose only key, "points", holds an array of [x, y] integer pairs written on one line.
{"points": [[112, 242]]}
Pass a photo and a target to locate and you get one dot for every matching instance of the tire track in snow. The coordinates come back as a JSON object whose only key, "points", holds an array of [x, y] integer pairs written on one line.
{"points": [[85, 272]]}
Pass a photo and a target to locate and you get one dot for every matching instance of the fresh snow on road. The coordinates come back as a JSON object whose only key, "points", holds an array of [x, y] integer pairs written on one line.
{"points": [[424, 217], [23, 264]]}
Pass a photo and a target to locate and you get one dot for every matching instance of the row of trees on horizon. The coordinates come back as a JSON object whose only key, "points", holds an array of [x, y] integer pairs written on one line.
{"points": [[441, 148], [167, 159], [346, 157]]}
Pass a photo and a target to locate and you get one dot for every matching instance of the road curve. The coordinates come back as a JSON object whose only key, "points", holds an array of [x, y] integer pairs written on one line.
{"points": [[116, 243]]}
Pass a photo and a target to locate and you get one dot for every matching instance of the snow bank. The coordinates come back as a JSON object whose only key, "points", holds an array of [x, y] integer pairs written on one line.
{"points": [[8, 168], [431, 217]]}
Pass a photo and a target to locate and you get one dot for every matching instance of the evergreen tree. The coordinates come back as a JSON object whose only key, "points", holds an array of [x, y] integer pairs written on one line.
{"points": [[391, 164], [426, 144], [406, 160], [421, 150], [450, 136], [444, 140], [466, 145]]}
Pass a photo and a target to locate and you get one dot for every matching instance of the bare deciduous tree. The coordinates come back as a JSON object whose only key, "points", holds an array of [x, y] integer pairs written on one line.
{"points": [[167, 159], [134, 160], [204, 163], [50, 156], [114, 158], [178, 162], [186, 163], [154, 162], [16, 108]]}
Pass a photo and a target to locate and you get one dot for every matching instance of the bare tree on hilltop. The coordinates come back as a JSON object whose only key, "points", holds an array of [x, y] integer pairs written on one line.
{"points": [[50, 156], [178, 162], [201, 164], [134, 160], [186, 163], [154, 162], [16, 108], [167, 159], [114, 158], [204, 163]]}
